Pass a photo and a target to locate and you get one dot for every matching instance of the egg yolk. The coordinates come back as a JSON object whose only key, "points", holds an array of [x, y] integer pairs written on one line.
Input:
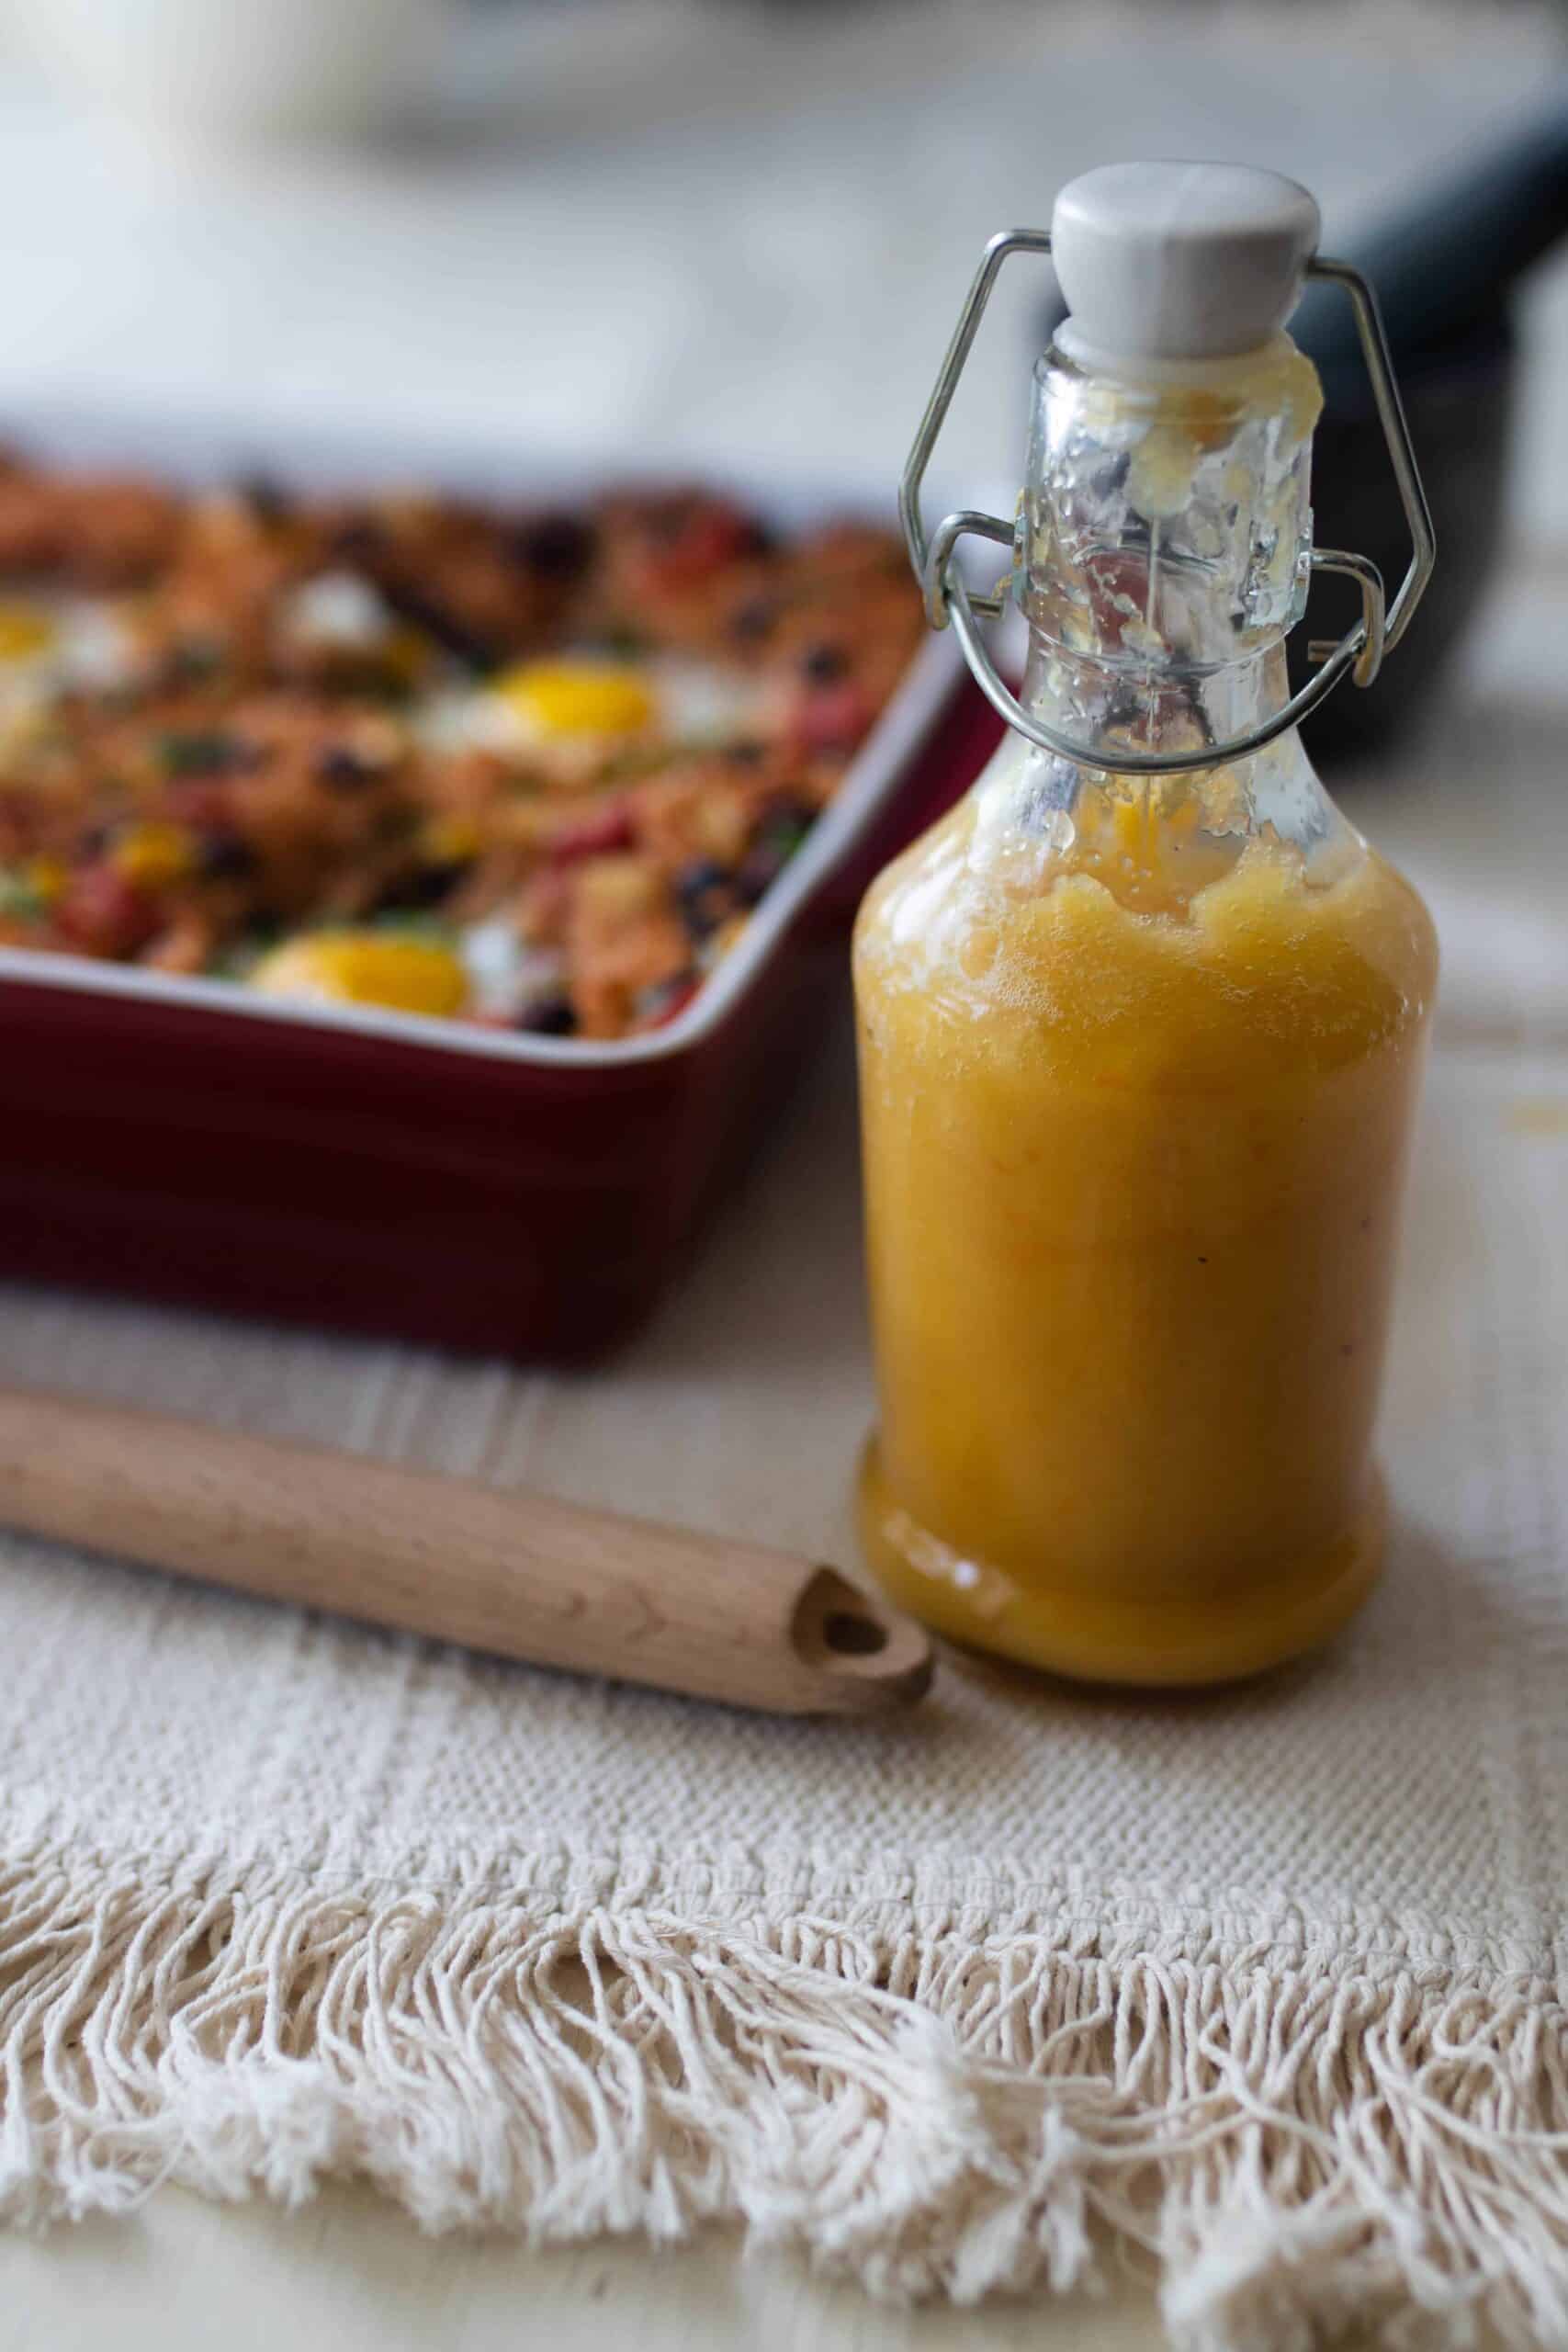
{"points": [[365, 967], [578, 697], [23, 633]]}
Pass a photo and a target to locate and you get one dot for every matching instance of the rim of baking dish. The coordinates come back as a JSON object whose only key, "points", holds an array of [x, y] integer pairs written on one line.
{"points": [[217, 448]]}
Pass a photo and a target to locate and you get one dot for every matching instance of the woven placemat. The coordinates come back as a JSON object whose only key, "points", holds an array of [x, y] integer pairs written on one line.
{"points": [[1270, 1980]]}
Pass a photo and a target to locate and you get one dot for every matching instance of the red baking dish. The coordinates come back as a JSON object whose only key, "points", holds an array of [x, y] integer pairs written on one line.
{"points": [[517, 1195]]}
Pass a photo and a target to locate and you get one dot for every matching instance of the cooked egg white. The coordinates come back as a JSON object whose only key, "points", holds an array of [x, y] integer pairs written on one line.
{"points": [[50, 644], [504, 973], [340, 612]]}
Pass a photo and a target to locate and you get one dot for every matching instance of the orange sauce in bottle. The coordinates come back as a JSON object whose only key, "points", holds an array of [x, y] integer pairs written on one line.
{"points": [[1133, 1167]]}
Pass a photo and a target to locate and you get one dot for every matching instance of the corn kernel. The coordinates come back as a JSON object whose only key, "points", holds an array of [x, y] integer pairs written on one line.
{"points": [[44, 879], [450, 840], [152, 856], [23, 633], [365, 967], [578, 697]]}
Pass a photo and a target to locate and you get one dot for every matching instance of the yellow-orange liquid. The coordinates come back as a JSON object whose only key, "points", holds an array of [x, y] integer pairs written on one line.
{"points": [[1136, 1119]]}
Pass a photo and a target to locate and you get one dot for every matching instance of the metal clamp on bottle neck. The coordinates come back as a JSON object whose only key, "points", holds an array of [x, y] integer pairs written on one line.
{"points": [[948, 598]]}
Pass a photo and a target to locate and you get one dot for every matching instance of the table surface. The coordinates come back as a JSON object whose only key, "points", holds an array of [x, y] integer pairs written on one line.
{"points": [[349, 2271]]}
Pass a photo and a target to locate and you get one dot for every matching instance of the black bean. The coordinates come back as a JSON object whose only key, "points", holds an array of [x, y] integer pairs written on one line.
{"points": [[268, 499], [554, 547], [699, 877], [359, 534], [472, 647], [754, 620], [343, 770], [550, 1017], [707, 895], [225, 857], [412, 893]]}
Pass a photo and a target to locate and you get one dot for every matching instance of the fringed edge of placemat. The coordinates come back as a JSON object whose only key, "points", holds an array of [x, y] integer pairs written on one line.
{"points": [[951, 2114]]}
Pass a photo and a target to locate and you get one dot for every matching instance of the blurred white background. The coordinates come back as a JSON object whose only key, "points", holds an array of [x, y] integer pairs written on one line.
{"points": [[717, 231]]}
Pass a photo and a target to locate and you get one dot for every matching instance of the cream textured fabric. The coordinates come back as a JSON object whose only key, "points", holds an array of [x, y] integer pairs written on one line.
{"points": [[1273, 1979]]}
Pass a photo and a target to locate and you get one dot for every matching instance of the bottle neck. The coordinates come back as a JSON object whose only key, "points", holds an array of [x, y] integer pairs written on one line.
{"points": [[1194, 822], [1104, 703], [1164, 541]]}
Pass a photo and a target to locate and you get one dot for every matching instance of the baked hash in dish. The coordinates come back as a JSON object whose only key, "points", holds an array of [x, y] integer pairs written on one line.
{"points": [[528, 769]]}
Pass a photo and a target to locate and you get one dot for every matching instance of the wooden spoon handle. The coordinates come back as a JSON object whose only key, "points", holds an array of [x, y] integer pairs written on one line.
{"points": [[517, 1574]]}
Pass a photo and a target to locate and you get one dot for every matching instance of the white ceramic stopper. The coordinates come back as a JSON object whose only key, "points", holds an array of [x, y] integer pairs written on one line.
{"points": [[1168, 261]]}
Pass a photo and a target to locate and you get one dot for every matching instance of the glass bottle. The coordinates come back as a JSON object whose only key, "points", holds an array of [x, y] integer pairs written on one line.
{"points": [[1139, 1057]]}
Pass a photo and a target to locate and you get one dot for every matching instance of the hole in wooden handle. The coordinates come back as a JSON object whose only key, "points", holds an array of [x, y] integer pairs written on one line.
{"points": [[867, 1655], [848, 1634]]}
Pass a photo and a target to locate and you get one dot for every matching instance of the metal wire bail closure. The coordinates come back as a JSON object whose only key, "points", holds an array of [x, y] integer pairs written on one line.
{"points": [[948, 598]]}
